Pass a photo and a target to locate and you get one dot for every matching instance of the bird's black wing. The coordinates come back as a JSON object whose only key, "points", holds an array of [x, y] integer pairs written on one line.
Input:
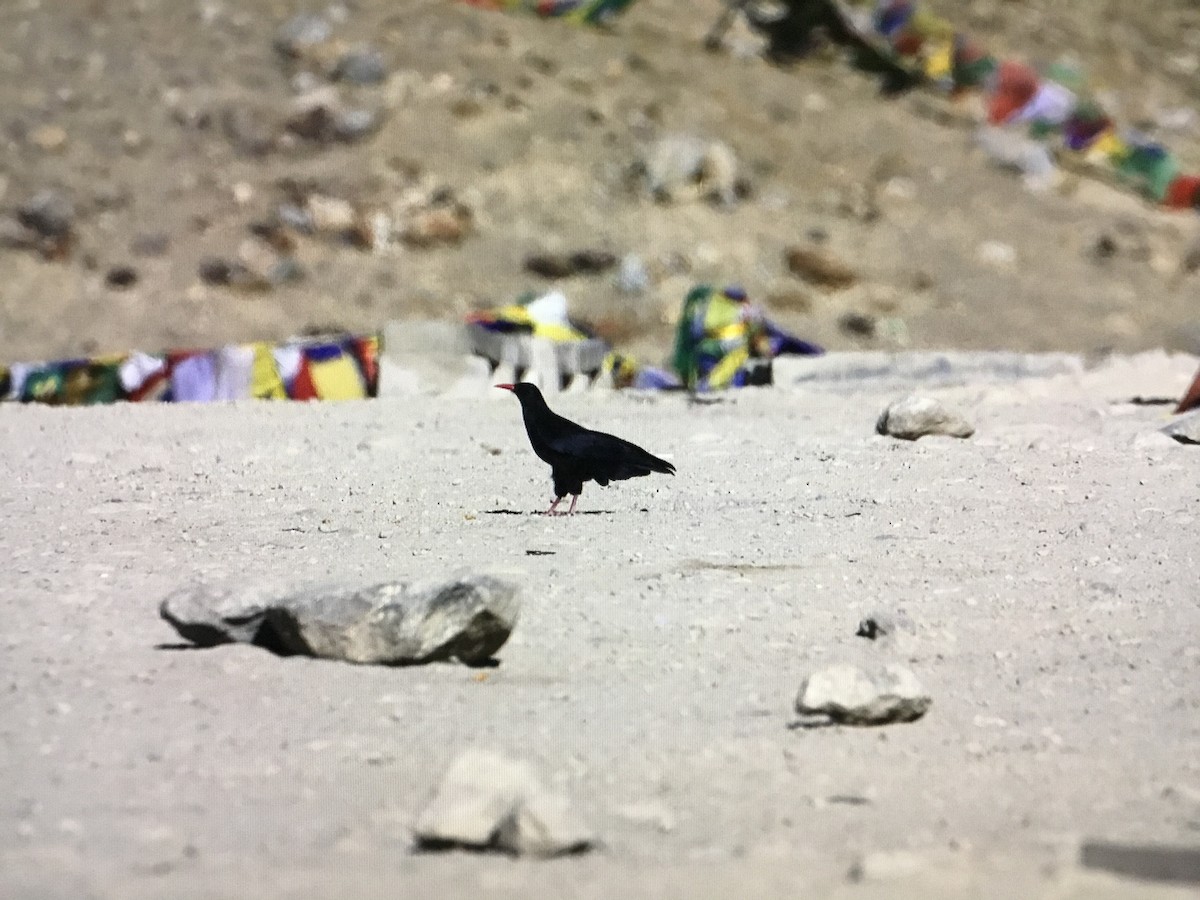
{"points": [[605, 457]]}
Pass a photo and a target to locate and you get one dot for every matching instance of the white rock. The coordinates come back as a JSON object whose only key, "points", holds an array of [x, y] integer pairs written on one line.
{"points": [[488, 802], [478, 793], [913, 417], [1185, 429], [330, 215], [996, 253], [848, 695]]}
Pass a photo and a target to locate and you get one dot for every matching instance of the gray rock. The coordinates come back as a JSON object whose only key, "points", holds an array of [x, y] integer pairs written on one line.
{"points": [[301, 33], [361, 65], [1185, 429], [296, 217], [684, 167], [876, 627], [847, 695], [225, 273], [48, 213], [390, 624], [355, 124], [488, 802], [914, 417], [321, 117], [633, 277], [884, 625]]}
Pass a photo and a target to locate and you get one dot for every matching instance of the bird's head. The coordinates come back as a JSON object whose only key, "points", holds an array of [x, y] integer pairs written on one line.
{"points": [[523, 389]]}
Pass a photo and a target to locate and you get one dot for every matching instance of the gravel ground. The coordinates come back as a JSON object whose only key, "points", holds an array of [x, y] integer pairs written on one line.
{"points": [[1047, 566]]}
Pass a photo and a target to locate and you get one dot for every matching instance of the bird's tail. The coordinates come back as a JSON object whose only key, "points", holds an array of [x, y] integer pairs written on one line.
{"points": [[658, 465]]}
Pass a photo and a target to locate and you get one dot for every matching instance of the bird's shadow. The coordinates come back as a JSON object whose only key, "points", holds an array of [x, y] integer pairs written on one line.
{"points": [[519, 512], [179, 645], [811, 723]]}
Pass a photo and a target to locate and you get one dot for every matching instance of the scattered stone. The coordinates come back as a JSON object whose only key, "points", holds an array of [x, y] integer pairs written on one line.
{"points": [[441, 224], [48, 138], [685, 167], [301, 33], [149, 244], [885, 866], [858, 201], [847, 695], [857, 324], [633, 276], [361, 65], [1185, 429], [319, 116], [297, 217], [110, 195], [466, 107], [223, 273], [43, 223], [874, 627], [133, 141], [893, 630], [275, 235], [371, 230], [329, 215], [592, 262], [487, 802], [392, 623], [284, 270], [48, 213], [249, 131], [564, 265], [1126, 238], [243, 193], [265, 266], [819, 267], [914, 417], [996, 253], [121, 277], [352, 125], [1013, 150], [899, 187]]}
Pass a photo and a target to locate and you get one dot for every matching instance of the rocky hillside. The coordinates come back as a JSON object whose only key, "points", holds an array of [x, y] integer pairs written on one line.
{"points": [[186, 173]]}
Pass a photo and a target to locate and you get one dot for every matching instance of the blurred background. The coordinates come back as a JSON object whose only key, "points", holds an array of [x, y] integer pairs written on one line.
{"points": [[182, 173]]}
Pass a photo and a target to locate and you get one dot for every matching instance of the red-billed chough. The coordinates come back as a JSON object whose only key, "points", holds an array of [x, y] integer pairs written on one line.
{"points": [[577, 454]]}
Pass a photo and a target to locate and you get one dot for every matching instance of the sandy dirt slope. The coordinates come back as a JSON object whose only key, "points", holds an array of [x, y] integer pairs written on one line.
{"points": [[148, 115], [1048, 565]]}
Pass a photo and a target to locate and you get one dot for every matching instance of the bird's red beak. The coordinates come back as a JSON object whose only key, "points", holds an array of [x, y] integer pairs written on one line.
{"points": [[507, 387]]}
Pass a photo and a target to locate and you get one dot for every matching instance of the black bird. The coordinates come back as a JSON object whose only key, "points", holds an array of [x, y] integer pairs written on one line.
{"points": [[577, 454]]}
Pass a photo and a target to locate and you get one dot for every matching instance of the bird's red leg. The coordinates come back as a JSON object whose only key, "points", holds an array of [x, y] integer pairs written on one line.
{"points": [[574, 500], [553, 506]]}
